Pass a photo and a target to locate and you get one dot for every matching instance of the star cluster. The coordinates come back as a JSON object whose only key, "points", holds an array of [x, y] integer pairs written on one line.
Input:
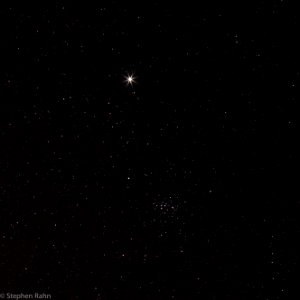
{"points": [[148, 151]]}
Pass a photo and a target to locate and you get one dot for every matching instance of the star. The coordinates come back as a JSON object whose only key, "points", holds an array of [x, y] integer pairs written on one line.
{"points": [[130, 79]]}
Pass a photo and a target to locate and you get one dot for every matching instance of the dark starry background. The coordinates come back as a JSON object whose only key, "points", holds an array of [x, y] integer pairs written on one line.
{"points": [[179, 187]]}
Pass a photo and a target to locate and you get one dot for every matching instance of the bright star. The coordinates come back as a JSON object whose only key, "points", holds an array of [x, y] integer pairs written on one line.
{"points": [[130, 79]]}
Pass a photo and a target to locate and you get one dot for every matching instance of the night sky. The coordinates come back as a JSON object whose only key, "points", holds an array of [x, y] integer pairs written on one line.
{"points": [[149, 151]]}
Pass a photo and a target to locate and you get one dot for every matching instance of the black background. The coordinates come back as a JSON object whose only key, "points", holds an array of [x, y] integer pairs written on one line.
{"points": [[181, 186]]}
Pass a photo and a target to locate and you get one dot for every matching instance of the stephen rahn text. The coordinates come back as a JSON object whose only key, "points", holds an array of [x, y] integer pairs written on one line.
{"points": [[28, 296]]}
